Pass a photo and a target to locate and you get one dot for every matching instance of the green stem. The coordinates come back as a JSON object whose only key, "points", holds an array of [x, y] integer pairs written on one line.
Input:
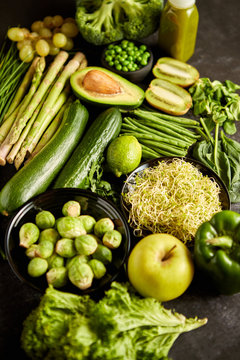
{"points": [[23, 87], [224, 241], [215, 150], [206, 130]]}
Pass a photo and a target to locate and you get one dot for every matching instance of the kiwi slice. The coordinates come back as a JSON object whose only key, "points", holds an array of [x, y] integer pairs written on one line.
{"points": [[175, 71], [168, 97]]}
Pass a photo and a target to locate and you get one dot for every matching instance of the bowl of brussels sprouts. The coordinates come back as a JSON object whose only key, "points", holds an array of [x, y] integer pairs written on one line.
{"points": [[132, 60], [71, 239]]}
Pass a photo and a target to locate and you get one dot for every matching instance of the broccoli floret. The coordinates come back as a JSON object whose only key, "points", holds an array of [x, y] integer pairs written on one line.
{"points": [[104, 21], [97, 25], [140, 18]]}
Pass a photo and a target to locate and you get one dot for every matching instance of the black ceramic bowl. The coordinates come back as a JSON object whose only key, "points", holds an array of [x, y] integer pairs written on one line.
{"points": [[133, 76], [130, 181], [53, 200]]}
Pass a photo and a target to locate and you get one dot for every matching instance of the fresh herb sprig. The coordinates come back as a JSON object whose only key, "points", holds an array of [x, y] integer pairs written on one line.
{"points": [[11, 73]]}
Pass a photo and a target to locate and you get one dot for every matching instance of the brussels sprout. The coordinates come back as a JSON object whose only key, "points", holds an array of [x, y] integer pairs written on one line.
{"points": [[37, 267], [55, 261], [31, 251], [88, 222], [57, 277], [86, 244], [71, 208], [70, 227], [80, 274], [49, 235], [78, 258], [103, 225], [103, 254], [65, 247], [112, 239], [98, 268], [28, 234], [44, 249], [45, 219]]}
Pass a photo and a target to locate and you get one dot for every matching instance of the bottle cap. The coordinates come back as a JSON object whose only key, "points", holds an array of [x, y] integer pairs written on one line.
{"points": [[182, 4]]}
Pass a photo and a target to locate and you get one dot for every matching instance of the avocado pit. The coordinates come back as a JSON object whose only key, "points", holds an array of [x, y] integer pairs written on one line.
{"points": [[98, 81]]}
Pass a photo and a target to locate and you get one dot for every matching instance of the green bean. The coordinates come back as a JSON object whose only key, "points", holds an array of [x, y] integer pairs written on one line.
{"points": [[152, 120], [162, 150], [148, 153], [171, 135], [156, 138], [176, 119]]}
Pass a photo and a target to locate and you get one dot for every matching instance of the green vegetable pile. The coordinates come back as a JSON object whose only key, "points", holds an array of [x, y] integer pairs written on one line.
{"points": [[105, 21], [126, 56], [121, 326], [161, 134], [219, 105], [76, 248]]}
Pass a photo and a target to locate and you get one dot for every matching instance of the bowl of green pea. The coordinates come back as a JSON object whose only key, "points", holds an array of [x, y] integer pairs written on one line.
{"points": [[131, 59]]}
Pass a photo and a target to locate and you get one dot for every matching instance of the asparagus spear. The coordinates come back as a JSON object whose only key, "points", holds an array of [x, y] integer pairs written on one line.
{"points": [[51, 74], [48, 134], [6, 125], [15, 148], [50, 131], [22, 88], [37, 77], [38, 129]]}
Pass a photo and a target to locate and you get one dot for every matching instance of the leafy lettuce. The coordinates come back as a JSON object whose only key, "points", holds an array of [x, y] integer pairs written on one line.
{"points": [[121, 326]]}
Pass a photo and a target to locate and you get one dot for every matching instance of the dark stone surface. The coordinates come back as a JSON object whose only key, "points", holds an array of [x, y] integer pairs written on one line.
{"points": [[217, 57]]}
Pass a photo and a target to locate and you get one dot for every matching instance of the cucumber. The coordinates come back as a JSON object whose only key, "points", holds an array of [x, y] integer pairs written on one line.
{"points": [[37, 175], [102, 131]]}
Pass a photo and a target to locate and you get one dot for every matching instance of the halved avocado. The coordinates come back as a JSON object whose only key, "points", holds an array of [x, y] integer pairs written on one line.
{"points": [[175, 71], [100, 86], [168, 97]]}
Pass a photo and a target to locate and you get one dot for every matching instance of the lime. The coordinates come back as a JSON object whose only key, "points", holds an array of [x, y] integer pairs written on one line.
{"points": [[123, 155]]}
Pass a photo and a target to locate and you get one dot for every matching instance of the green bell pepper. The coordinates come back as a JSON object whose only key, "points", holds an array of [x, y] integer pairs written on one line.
{"points": [[217, 251]]}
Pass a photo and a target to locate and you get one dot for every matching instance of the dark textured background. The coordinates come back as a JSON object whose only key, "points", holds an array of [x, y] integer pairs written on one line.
{"points": [[217, 57]]}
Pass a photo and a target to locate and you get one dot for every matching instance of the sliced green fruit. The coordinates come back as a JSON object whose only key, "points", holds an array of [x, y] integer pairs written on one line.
{"points": [[175, 71], [168, 97], [103, 87]]}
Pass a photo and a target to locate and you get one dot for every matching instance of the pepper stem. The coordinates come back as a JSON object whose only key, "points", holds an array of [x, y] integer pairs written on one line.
{"points": [[224, 241]]}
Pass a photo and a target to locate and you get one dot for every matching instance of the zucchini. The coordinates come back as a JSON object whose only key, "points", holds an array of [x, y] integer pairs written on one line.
{"points": [[37, 175], [102, 131]]}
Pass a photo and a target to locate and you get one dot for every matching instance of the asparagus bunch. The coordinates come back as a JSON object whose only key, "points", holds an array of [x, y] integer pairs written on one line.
{"points": [[31, 116]]}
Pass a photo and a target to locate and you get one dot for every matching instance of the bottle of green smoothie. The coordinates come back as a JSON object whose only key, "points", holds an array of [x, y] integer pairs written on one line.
{"points": [[178, 28]]}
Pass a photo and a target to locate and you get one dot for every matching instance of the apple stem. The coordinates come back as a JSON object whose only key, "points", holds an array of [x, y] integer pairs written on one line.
{"points": [[168, 254]]}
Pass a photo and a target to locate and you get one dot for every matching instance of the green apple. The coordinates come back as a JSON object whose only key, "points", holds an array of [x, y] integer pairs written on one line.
{"points": [[160, 266]]}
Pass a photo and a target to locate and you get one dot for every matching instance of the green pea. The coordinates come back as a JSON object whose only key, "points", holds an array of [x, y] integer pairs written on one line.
{"points": [[143, 47], [111, 46], [124, 44], [125, 68], [119, 67], [118, 49], [125, 62], [108, 58], [131, 52], [111, 63], [131, 44], [143, 62]]}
